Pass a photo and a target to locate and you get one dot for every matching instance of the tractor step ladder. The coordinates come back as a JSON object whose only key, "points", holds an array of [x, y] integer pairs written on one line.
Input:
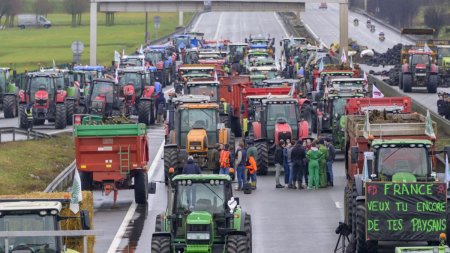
{"points": [[124, 158]]}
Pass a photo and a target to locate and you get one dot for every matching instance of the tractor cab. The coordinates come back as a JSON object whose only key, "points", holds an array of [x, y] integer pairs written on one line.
{"points": [[41, 89], [104, 98], [194, 71], [132, 61], [182, 41], [420, 62], [137, 77], [261, 73], [207, 88], [6, 83], [280, 82], [192, 56], [237, 52], [288, 43]]}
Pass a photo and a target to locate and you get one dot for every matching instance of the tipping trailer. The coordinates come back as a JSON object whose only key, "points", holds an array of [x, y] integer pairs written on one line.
{"points": [[112, 156]]}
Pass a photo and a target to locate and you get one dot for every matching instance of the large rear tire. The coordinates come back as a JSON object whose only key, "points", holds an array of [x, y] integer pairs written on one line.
{"points": [[432, 84], [363, 246], [407, 83], [23, 122], [70, 110], [236, 244], [141, 187], [9, 106], [160, 244], [61, 116], [170, 160], [348, 200], [145, 111], [86, 180], [248, 231], [263, 158]]}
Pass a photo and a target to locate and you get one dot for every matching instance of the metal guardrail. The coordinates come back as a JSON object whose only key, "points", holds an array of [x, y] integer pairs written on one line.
{"points": [[63, 180], [30, 134], [62, 233]]}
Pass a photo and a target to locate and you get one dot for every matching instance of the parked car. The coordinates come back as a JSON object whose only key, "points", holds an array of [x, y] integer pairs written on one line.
{"points": [[29, 20]]}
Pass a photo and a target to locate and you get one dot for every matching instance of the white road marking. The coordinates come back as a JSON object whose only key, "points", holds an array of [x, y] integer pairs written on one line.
{"points": [[123, 227], [194, 29], [219, 24], [282, 26], [338, 204]]}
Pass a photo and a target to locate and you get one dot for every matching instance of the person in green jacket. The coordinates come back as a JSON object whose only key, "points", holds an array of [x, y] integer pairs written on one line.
{"points": [[313, 156], [323, 164]]}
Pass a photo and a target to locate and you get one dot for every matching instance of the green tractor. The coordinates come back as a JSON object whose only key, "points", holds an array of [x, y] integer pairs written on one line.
{"points": [[8, 94], [202, 216], [443, 61]]}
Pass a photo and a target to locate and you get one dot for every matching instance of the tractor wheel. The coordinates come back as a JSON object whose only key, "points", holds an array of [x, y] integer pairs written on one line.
{"points": [[407, 83], [9, 106], [160, 244], [263, 158], [248, 231], [432, 84], [86, 180], [144, 111], [348, 209], [363, 246], [158, 223], [141, 187], [170, 160], [61, 116], [236, 244], [400, 81], [70, 110], [23, 122]]}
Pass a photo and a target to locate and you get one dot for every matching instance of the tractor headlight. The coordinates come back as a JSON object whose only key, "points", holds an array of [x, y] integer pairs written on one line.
{"points": [[198, 236]]}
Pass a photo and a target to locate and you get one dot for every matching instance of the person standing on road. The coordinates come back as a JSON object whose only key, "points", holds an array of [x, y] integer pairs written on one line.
{"points": [[213, 159], [252, 169], [290, 163], [323, 164], [160, 108], [241, 157], [191, 167], [330, 160], [279, 159], [287, 171], [313, 156], [224, 160], [298, 157], [251, 151]]}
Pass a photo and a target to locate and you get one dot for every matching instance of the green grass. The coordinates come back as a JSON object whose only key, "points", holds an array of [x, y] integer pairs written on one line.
{"points": [[33, 46], [21, 161]]}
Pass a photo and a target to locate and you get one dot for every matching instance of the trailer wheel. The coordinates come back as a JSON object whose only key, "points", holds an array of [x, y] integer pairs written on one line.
{"points": [[160, 244], [170, 160], [23, 122], [70, 109], [407, 82], [86, 180], [248, 231], [362, 245], [9, 106], [61, 116], [432, 84], [141, 187], [236, 244], [144, 111], [348, 202], [263, 157]]}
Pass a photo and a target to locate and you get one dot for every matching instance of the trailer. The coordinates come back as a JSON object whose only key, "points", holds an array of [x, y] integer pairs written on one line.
{"points": [[113, 156]]}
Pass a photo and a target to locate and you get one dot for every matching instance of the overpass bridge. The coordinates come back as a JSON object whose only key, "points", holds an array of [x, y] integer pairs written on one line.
{"points": [[181, 6]]}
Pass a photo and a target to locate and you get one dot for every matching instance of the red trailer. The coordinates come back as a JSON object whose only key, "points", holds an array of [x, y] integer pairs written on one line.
{"points": [[111, 156], [357, 106]]}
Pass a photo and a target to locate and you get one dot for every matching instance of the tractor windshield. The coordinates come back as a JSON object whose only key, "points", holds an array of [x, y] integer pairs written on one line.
{"points": [[268, 74], [339, 106], [204, 89], [29, 222], [206, 118], [420, 59], [133, 78], [60, 82], [153, 56], [200, 197], [259, 42], [288, 112], [103, 89], [403, 159], [237, 49], [182, 40], [42, 83]]}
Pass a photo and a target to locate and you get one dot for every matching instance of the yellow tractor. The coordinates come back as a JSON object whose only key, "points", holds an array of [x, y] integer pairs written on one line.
{"points": [[193, 129]]}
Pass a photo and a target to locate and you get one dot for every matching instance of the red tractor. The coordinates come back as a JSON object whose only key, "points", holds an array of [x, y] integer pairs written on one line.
{"points": [[419, 70], [43, 99], [138, 92], [104, 99]]}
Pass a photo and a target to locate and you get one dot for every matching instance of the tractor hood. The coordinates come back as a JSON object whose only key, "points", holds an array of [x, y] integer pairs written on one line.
{"points": [[197, 140], [283, 131], [199, 217]]}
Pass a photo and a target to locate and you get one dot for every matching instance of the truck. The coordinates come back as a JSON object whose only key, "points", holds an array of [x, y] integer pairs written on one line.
{"points": [[114, 156], [33, 20], [386, 151], [202, 215]]}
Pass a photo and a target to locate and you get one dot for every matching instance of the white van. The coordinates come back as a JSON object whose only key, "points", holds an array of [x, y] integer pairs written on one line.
{"points": [[27, 20]]}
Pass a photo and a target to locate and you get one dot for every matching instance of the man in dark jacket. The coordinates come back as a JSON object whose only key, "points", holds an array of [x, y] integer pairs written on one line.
{"points": [[190, 167], [161, 103], [298, 156], [279, 163], [330, 160]]}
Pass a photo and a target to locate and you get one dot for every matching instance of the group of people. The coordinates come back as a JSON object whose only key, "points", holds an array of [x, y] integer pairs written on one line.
{"points": [[306, 163], [443, 105]]}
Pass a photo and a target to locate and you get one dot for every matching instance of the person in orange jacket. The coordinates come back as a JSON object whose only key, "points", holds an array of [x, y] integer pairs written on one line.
{"points": [[252, 168]]}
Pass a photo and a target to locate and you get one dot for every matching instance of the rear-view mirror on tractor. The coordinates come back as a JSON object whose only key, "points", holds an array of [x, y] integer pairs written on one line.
{"points": [[152, 188]]}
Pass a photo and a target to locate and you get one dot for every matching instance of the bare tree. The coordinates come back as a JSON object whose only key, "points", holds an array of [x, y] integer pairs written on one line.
{"points": [[9, 9], [43, 7], [76, 9], [435, 18]]}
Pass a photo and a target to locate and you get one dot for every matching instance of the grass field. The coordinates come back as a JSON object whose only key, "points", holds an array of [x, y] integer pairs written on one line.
{"points": [[28, 166], [33, 46]]}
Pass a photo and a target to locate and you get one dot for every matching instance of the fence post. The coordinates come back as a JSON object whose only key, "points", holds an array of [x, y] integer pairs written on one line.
{"points": [[14, 134]]}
